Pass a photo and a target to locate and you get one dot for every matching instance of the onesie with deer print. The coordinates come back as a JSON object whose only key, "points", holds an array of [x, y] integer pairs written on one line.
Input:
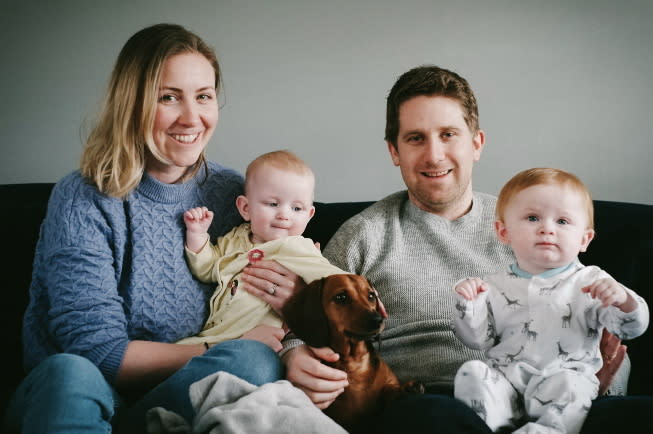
{"points": [[542, 336]]}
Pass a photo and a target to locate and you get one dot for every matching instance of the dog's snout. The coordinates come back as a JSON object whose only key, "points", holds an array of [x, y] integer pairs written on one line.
{"points": [[375, 320]]}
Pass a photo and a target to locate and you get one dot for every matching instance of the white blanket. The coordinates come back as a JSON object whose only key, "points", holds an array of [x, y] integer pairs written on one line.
{"points": [[224, 403]]}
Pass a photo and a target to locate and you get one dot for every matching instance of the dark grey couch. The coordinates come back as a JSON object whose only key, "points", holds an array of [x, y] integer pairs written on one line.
{"points": [[623, 247]]}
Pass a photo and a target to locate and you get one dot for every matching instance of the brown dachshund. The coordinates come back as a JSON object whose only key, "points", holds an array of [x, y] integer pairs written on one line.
{"points": [[345, 313]]}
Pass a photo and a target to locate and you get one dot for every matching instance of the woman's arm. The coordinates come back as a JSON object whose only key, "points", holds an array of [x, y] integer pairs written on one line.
{"points": [[146, 364], [75, 305]]}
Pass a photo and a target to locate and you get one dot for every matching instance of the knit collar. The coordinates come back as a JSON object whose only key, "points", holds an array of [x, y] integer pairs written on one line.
{"points": [[167, 193], [414, 212]]}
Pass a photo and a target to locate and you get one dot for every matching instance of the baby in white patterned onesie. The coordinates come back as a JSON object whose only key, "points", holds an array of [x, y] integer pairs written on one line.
{"points": [[541, 320]]}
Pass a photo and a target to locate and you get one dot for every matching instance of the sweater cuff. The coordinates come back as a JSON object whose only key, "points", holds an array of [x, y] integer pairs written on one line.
{"points": [[289, 342], [110, 364]]}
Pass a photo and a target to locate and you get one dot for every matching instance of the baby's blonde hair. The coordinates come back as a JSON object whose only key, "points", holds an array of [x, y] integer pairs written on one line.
{"points": [[544, 176], [283, 160]]}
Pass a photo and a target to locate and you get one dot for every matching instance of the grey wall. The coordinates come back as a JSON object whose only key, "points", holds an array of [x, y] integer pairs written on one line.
{"points": [[560, 83]]}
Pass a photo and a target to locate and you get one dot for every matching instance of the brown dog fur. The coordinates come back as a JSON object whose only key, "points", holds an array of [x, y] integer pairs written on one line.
{"points": [[344, 312]]}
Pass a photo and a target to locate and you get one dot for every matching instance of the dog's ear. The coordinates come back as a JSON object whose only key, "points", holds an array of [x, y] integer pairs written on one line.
{"points": [[305, 316]]}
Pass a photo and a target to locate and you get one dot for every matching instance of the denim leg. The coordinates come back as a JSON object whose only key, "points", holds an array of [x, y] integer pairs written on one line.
{"points": [[250, 360], [620, 414], [430, 413], [65, 393]]}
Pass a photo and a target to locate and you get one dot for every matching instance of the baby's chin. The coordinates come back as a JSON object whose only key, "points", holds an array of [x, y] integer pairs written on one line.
{"points": [[543, 264], [552, 265]]}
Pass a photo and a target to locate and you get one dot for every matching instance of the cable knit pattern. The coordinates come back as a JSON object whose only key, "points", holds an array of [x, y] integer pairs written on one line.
{"points": [[107, 270], [413, 258]]}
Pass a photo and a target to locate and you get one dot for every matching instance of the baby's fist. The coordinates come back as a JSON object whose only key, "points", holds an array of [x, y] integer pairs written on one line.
{"points": [[608, 291], [470, 288], [198, 218]]}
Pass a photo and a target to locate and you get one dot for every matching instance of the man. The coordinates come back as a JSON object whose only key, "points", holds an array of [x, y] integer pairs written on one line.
{"points": [[414, 246]]}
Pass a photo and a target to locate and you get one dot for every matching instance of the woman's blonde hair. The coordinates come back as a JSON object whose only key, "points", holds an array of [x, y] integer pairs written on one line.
{"points": [[543, 176], [115, 154]]}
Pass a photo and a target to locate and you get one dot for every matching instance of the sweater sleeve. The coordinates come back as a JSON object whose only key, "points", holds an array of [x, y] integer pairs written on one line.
{"points": [[78, 268]]}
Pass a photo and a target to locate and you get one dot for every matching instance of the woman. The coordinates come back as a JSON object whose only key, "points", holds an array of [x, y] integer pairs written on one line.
{"points": [[110, 291]]}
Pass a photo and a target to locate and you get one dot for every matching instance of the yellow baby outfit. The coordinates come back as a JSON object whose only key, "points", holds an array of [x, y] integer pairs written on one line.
{"points": [[232, 311]]}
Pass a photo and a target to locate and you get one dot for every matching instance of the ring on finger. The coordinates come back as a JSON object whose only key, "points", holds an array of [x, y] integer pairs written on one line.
{"points": [[273, 289]]}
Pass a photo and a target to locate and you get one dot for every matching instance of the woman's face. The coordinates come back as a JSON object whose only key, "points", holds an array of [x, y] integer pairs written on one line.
{"points": [[186, 115]]}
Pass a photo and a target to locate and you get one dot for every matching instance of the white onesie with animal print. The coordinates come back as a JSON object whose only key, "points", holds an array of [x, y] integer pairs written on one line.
{"points": [[542, 336]]}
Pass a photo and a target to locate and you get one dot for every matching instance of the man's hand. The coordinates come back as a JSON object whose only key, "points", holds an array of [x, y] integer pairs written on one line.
{"points": [[613, 353], [321, 383]]}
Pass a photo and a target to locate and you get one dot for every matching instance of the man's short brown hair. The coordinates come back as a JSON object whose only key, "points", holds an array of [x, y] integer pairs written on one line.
{"points": [[429, 80]]}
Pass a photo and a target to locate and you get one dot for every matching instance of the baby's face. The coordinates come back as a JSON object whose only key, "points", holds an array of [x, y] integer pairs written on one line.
{"points": [[546, 226], [279, 203]]}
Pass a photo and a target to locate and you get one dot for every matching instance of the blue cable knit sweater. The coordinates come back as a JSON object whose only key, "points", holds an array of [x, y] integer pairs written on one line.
{"points": [[107, 270]]}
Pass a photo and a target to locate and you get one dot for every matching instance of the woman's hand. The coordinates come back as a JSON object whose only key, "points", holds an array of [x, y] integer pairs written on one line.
{"points": [[271, 282], [321, 383], [613, 353], [270, 336]]}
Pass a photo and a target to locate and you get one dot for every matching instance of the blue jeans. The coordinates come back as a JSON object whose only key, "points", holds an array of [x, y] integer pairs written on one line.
{"points": [[67, 393], [63, 394], [442, 414]]}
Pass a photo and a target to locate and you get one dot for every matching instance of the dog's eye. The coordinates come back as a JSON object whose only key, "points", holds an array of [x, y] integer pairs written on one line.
{"points": [[341, 298], [371, 296]]}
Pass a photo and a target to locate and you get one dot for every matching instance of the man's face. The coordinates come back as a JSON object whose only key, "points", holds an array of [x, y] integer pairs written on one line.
{"points": [[436, 152]]}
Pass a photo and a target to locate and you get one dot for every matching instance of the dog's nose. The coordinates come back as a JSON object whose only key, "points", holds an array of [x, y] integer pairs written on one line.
{"points": [[375, 320]]}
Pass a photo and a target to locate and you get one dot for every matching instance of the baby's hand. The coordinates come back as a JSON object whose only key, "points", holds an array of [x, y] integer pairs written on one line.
{"points": [[198, 220], [471, 287], [608, 291]]}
